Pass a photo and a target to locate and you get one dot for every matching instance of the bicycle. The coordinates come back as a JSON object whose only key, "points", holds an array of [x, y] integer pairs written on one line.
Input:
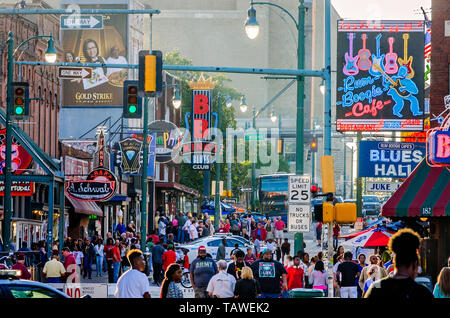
{"points": [[185, 278]]}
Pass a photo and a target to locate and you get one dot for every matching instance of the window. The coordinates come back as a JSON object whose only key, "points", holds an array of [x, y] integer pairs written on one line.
{"points": [[231, 243], [215, 243], [27, 291]]}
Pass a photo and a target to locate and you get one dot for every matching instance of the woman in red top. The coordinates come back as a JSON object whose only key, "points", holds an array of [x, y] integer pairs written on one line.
{"points": [[186, 259], [295, 275], [169, 257]]}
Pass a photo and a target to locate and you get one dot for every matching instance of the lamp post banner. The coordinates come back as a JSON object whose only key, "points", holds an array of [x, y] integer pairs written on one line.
{"points": [[87, 44], [380, 76]]}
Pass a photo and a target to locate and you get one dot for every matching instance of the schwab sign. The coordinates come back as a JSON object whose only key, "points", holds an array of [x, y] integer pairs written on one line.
{"points": [[383, 159], [100, 185]]}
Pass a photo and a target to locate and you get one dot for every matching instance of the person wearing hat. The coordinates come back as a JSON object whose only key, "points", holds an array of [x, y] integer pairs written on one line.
{"points": [[54, 269], [268, 272], [169, 257], [20, 265], [202, 269], [133, 283]]}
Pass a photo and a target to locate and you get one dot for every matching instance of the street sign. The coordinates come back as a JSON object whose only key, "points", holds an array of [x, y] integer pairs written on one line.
{"points": [[382, 186], [81, 21], [230, 200], [300, 189], [74, 72], [246, 189], [299, 218]]}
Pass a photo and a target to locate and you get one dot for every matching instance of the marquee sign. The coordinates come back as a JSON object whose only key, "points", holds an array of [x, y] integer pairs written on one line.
{"points": [[380, 76], [384, 159], [167, 137], [20, 161], [130, 156], [200, 150], [438, 148], [100, 185]]}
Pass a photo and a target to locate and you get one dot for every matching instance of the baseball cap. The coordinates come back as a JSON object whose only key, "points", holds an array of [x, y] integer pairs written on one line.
{"points": [[202, 248]]}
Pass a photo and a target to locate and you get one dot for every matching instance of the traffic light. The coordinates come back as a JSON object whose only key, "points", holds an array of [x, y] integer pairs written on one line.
{"points": [[150, 73], [345, 212], [20, 109], [318, 213], [327, 169], [132, 103], [328, 212], [314, 190], [313, 144], [308, 155]]}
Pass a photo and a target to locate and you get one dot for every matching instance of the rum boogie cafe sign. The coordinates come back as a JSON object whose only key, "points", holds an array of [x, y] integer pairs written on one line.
{"points": [[100, 185]]}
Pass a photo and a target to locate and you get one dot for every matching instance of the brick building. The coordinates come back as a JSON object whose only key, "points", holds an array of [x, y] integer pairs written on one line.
{"points": [[42, 124], [440, 57]]}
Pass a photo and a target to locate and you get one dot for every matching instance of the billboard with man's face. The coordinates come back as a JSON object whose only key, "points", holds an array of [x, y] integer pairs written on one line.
{"points": [[104, 46]]}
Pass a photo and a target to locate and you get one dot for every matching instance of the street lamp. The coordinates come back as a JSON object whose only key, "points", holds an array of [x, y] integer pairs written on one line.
{"points": [[251, 24], [322, 87], [228, 102], [252, 30], [273, 117], [243, 106], [50, 54], [176, 99]]}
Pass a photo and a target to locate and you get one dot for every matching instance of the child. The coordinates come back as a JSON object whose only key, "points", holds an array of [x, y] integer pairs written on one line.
{"points": [[186, 259]]}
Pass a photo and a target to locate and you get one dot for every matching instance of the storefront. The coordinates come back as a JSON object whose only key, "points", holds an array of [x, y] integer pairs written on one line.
{"points": [[172, 197], [84, 218], [423, 202]]}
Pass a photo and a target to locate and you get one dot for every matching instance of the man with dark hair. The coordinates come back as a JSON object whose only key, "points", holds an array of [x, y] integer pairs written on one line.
{"points": [[133, 283], [346, 274], [285, 249], [157, 261], [70, 265], [235, 268], [269, 273], [221, 251]]}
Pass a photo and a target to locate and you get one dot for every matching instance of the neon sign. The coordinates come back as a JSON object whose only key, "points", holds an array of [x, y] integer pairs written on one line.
{"points": [[376, 89], [438, 148]]}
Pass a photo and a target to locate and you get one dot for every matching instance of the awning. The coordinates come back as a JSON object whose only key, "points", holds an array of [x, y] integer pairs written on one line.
{"points": [[85, 207], [119, 197], [425, 193], [177, 186]]}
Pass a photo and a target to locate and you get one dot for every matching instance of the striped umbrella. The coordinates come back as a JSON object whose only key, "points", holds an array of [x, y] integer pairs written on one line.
{"points": [[370, 238], [352, 235]]}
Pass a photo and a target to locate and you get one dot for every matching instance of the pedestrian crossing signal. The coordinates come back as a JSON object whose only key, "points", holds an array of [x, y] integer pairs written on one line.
{"points": [[132, 103], [20, 108], [150, 73]]}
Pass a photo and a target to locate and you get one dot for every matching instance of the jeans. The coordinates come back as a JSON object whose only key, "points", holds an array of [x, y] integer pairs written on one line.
{"points": [[105, 264], [110, 270], [87, 267], [116, 268], [335, 242], [99, 265], [53, 280], [157, 272], [349, 292]]}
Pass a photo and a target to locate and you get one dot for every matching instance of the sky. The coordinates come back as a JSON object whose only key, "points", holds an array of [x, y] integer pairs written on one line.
{"points": [[382, 9]]}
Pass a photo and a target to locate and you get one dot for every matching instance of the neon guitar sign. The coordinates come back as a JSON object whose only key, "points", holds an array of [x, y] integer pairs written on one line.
{"points": [[376, 59], [364, 62], [350, 61], [406, 61], [391, 66]]}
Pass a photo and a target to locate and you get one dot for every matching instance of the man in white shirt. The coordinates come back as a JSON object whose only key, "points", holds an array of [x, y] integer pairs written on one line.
{"points": [[115, 58], [222, 284], [133, 283]]}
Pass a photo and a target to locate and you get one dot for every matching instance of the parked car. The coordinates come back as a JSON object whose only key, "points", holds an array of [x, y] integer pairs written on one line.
{"points": [[13, 287], [371, 205], [212, 243]]}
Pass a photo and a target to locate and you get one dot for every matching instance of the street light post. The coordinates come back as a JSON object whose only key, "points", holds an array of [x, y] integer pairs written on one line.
{"points": [[300, 26], [50, 56]]}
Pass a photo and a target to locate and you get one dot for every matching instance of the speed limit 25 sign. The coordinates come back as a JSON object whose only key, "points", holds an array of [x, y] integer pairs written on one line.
{"points": [[300, 189]]}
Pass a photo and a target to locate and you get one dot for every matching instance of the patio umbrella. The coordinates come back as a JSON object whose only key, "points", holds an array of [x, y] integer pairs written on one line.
{"points": [[371, 238], [352, 235]]}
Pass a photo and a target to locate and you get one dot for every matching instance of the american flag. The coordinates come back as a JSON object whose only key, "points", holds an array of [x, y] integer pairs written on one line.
{"points": [[427, 39]]}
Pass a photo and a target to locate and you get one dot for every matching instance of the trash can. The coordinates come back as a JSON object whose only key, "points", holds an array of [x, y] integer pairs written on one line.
{"points": [[306, 293]]}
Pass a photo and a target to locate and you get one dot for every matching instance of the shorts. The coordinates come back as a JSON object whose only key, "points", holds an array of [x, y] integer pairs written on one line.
{"points": [[200, 292], [319, 234], [279, 234]]}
